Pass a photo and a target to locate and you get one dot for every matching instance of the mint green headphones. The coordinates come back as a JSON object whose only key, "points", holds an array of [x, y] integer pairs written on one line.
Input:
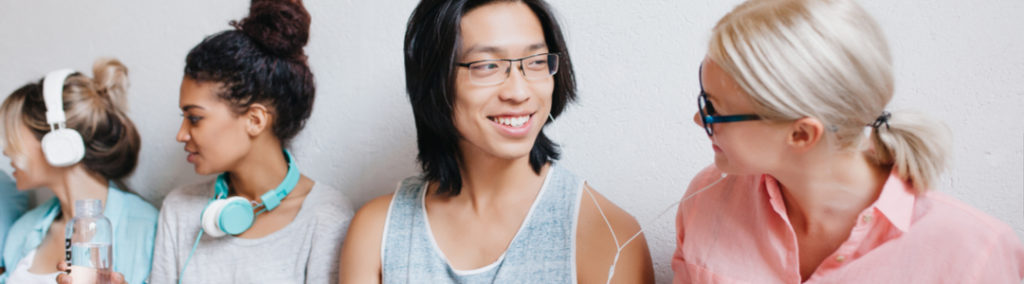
{"points": [[233, 215]]}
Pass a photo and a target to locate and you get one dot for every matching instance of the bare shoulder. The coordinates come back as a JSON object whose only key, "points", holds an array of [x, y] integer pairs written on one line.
{"points": [[374, 212], [368, 223], [593, 204], [360, 254], [596, 246]]}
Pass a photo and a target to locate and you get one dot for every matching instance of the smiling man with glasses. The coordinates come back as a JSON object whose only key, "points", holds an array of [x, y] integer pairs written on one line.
{"points": [[492, 200]]}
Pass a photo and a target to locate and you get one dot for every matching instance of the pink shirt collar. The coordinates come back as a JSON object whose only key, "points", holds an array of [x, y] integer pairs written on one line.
{"points": [[895, 202]]}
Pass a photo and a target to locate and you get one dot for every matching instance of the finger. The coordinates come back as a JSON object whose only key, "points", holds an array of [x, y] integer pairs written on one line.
{"points": [[62, 266], [64, 279]]}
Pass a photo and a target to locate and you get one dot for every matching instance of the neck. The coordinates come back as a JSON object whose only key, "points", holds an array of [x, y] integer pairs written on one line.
{"points": [[76, 183], [487, 178], [258, 173], [820, 193]]}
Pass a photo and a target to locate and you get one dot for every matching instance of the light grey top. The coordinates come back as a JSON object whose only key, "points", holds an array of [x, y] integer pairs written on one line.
{"points": [[304, 251], [542, 251]]}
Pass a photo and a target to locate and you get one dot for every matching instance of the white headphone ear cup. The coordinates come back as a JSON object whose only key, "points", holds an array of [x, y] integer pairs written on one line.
{"points": [[210, 216], [63, 147]]}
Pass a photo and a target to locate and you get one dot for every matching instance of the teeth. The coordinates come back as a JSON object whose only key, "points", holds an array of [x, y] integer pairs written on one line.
{"points": [[512, 121]]}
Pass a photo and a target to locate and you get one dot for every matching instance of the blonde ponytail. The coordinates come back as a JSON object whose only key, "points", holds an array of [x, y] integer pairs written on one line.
{"points": [[916, 145]]}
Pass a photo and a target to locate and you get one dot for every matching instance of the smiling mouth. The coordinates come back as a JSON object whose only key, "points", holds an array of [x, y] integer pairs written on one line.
{"points": [[511, 121]]}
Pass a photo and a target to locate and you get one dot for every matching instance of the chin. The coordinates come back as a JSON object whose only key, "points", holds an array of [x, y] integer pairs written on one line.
{"points": [[512, 151], [24, 185], [725, 166], [200, 170]]}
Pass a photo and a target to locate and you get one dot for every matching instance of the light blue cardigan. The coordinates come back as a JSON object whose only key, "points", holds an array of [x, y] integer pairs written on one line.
{"points": [[12, 205], [134, 222]]}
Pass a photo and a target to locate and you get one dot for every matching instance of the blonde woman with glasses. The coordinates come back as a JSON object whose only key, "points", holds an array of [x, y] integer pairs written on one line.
{"points": [[814, 179]]}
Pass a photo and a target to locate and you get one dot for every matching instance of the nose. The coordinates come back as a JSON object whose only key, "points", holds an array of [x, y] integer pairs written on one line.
{"points": [[697, 120], [183, 135], [516, 88]]}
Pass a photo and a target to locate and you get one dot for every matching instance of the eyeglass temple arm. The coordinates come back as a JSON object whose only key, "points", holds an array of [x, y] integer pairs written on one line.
{"points": [[730, 118]]}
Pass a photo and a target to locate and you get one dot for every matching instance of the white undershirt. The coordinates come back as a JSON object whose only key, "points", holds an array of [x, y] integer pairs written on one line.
{"points": [[21, 275]]}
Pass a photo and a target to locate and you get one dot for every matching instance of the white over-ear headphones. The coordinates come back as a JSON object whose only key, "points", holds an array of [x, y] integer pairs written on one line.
{"points": [[62, 146]]}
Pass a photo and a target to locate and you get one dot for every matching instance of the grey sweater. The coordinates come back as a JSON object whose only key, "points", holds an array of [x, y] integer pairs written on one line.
{"points": [[304, 251]]}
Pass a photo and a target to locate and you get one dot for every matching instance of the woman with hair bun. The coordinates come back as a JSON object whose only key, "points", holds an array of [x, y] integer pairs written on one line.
{"points": [[245, 94], [95, 109], [815, 180]]}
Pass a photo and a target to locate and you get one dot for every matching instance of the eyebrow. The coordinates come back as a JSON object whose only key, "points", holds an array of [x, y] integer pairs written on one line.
{"points": [[188, 107], [495, 49]]}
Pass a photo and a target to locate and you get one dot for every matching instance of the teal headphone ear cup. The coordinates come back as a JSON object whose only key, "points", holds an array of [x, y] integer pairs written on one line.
{"points": [[227, 216], [236, 216]]}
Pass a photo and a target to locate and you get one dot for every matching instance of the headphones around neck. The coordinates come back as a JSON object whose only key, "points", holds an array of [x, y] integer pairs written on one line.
{"points": [[62, 146], [234, 215]]}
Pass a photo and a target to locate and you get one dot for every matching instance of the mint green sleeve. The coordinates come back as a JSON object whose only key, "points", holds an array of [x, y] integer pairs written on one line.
{"points": [[12, 204], [134, 257]]}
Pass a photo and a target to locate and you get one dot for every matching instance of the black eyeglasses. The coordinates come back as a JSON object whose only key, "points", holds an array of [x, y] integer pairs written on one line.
{"points": [[495, 71], [708, 114]]}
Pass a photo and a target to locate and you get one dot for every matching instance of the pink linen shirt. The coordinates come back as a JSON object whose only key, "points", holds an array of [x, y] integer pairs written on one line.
{"points": [[738, 232]]}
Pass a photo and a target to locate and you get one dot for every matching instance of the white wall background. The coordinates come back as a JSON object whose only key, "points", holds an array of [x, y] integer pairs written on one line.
{"points": [[630, 135]]}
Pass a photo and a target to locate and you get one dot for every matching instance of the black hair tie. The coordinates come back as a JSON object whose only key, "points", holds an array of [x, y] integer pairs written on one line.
{"points": [[882, 119]]}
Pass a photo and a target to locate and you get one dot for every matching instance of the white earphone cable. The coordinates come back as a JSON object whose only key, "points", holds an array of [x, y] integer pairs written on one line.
{"points": [[619, 247]]}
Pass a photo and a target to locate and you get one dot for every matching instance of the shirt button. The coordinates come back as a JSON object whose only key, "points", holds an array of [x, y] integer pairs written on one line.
{"points": [[866, 219], [840, 258]]}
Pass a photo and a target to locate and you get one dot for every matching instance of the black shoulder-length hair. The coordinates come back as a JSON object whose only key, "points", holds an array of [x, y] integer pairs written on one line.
{"points": [[432, 43]]}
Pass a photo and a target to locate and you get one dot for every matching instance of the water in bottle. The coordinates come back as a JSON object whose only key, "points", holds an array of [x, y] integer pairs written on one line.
{"points": [[89, 243]]}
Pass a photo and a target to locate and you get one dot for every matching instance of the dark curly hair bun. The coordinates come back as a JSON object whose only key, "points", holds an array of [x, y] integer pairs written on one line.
{"points": [[279, 26], [261, 61]]}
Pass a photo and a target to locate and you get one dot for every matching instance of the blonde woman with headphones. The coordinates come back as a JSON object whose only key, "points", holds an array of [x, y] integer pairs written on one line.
{"points": [[815, 180], [70, 133]]}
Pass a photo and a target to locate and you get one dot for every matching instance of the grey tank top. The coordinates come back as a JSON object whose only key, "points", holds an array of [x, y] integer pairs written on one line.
{"points": [[542, 251]]}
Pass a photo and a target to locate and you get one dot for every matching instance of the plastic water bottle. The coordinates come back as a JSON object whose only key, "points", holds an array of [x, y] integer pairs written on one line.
{"points": [[89, 244]]}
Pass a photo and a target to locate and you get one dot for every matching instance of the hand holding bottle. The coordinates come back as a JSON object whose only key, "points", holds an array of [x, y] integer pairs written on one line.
{"points": [[65, 278]]}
